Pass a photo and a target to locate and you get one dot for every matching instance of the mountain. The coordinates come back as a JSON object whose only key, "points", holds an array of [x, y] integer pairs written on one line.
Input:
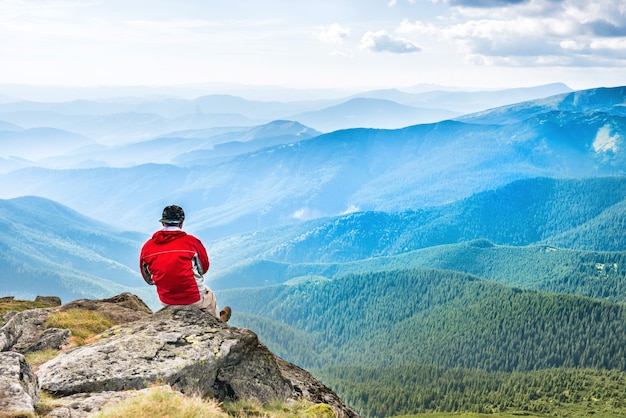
{"points": [[513, 235], [6, 126], [346, 171], [37, 143], [605, 100], [578, 214], [280, 132], [371, 113], [435, 317], [48, 249], [126, 119], [460, 101], [186, 148], [537, 267]]}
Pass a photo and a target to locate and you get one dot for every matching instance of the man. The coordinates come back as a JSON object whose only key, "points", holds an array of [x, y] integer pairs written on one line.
{"points": [[175, 262]]}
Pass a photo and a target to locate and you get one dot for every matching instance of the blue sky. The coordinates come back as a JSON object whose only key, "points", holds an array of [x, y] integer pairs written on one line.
{"points": [[360, 44]]}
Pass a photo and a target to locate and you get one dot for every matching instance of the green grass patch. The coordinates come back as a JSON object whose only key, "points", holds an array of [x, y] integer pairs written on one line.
{"points": [[277, 409], [19, 306], [38, 358], [84, 324]]}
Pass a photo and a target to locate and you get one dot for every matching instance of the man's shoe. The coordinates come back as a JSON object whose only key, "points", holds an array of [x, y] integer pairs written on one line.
{"points": [[225, 314]]}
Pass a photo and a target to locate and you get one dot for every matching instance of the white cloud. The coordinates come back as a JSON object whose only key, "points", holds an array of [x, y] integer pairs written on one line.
{"points": [[334, 33], [381, 41], [306, 214], [88, 42], [532, 32]]}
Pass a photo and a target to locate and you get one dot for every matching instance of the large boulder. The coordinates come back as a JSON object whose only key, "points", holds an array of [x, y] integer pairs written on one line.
{"points": [[189, 350], [19, 390], [26, 332]]}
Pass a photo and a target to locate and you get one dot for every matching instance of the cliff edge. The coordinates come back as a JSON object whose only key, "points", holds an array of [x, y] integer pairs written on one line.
{"points": [[184, 348]]}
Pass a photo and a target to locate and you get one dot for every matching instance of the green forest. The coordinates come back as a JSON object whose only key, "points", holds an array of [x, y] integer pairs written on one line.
{"points": [[414, 389], [418, 321]]}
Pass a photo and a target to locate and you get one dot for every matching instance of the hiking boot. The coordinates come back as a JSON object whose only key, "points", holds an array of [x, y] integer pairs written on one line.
{"points": [[225, 314]]}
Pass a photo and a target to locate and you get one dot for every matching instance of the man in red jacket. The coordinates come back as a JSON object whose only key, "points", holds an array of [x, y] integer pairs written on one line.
{"points": [[175, 262]]}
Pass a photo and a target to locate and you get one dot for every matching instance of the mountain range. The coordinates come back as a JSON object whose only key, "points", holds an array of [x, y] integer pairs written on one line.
{"points": [[301, 175], [487, 242]]}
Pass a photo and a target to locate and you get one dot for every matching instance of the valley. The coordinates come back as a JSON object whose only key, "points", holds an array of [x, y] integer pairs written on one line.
{"points": [[470, 264]]}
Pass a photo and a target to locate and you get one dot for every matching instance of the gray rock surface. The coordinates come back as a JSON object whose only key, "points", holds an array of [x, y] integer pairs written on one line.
{"points": [[189, 350], [50, 300], [25, 331], [19, 390]]}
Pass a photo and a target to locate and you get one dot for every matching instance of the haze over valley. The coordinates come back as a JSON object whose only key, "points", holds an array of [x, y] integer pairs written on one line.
{"points": [[386, 229]]}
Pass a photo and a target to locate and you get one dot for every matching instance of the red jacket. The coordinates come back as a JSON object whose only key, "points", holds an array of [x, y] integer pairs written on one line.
{"points": [[174, 261]]}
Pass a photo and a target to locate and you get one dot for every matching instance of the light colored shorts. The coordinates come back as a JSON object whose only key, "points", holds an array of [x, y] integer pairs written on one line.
{"points": [[207, 302]]}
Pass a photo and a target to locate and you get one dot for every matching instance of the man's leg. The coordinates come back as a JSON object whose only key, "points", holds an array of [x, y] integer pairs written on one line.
{"points": [[207, 301]]}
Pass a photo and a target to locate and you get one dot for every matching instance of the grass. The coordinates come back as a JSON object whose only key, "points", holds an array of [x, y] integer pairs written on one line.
{"points": [[84, 324], [161, 402], [251, 409], [20, 305], [165, 402], [37, 358], [567, 413]]}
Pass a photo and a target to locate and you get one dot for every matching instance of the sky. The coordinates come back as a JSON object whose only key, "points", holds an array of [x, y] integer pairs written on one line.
{"points": [[314, 44]]}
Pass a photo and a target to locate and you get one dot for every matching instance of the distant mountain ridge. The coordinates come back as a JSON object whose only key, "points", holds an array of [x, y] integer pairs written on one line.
{"points": [[123, 119], [561, 213], [237, 186], [538, 267], [607, 100]]}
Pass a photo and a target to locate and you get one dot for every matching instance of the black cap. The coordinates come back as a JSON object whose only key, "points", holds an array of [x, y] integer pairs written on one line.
{"points": [[173, 214]]}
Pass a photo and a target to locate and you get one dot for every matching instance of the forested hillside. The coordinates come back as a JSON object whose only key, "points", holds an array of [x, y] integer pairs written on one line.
{"points": [[49, 249], [540, 267], [442, 318], [440, 340], [414, 389], [584, 214]]}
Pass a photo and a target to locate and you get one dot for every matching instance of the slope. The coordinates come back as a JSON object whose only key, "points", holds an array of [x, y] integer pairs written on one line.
{"points": [[440, 318], [542, 210], [50, 249], [610, 100], [584, 273]]}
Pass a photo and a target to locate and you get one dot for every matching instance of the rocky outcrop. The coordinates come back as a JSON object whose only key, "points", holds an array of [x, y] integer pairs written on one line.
{"points": [[189, 350], [19, 391], [26, 332]]}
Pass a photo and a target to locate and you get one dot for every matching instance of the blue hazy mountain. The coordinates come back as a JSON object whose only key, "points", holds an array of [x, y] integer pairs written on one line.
{"points": [[49, 249], [461, 101], [186, 148], [350, 170], [600, 100], [129, 119], [576, 214], [371, 113], [37, 143]]}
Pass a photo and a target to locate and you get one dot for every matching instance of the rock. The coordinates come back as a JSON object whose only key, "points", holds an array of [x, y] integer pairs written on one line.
{"points": [[307, 387], [25, 331], [30, 326], [49, 300], [50, 339], [7, 299], [189, 350], [121, 309], [11, 331], [184, 347], [19, 390]]}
